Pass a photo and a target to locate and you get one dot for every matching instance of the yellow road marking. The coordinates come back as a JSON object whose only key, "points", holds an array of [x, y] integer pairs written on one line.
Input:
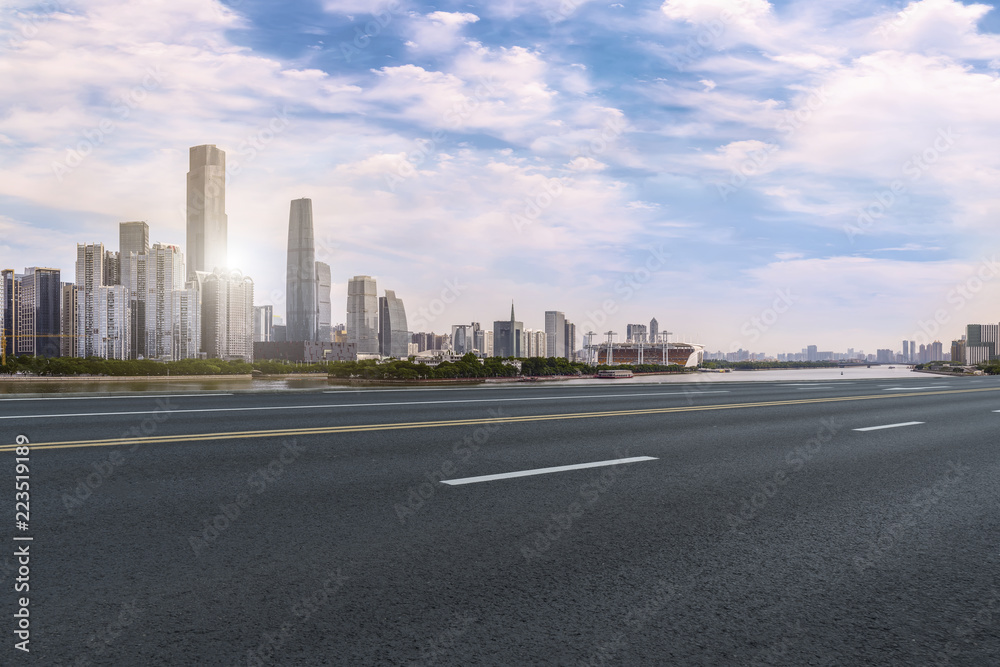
{"points": [[327, 430]]}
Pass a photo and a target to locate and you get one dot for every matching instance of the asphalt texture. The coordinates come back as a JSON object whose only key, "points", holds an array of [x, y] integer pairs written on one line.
{"points": [[314, 528]]}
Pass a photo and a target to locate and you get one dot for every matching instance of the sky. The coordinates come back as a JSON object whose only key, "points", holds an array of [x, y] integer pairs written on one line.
{"points": [[756, 175]]}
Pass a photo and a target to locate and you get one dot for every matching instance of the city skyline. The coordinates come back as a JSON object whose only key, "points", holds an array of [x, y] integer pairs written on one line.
{"points": [[732, 156]]}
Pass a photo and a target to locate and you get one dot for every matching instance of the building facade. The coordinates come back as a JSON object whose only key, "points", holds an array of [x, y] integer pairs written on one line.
{"points": [[362, 314], [207, 222], [555, 333], [226, 314], [392, 334], [301, 300], [324, 307]]}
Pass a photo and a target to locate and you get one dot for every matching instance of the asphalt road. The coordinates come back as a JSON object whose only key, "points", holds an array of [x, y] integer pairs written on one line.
{"points": [[728, 523]]}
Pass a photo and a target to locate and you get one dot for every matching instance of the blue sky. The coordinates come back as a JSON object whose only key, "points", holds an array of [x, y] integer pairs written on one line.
{"points": [[753, 174]]}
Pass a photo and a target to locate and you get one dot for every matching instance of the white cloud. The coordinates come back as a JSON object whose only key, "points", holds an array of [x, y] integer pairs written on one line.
{"points": [[439, 31]]}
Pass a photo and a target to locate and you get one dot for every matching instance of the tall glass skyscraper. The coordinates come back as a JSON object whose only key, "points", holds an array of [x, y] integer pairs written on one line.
{"points": [[207, 223], [362, 314], [301, 302], [393, 338]]}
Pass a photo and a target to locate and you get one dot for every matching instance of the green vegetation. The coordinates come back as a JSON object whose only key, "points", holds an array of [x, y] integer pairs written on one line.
{"points": [[991, 367], [468, 366], [64, 366]]}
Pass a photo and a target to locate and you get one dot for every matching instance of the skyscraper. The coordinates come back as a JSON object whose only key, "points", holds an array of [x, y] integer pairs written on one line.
{"points": [[301, 303], [207, 223], [507, 335], [570, 341], [164, 274], [555, 333], [362, 314], [67, 327], [133, 243], [324, 307], [654, 331], [89, 277], [227, 314], [263, 321], [393, 338]]}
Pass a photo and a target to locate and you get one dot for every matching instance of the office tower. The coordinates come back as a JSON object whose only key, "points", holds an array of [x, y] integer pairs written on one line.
{"points": [[67, 325], [362, 314], [89, 277], [460, 335], [186, 323], [207, 224], [981, 343], [39, 312], [555, 333], [507, 336], [8, 298], [301, 302], [112, 268], [163, 266], [324, 306], [570, 341], [393, 338], [635, 333], [263, 321], [812, 353], [958, 351], [654, 331], [478, 339], [906, 350]]}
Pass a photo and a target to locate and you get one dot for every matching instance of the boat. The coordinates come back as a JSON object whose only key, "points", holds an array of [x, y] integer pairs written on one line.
{"points": [[614, 374]]}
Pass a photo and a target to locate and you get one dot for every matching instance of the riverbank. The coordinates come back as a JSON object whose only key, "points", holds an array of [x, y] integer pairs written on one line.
{"points": [[119, 378]]}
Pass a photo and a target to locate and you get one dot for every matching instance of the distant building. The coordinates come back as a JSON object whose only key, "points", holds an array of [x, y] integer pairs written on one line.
{"points": [[654, 331], [30, 307], [507, 337], [301, 299], [958, 351], [133, 251], [112, 268], [263, 321], [682, 354], [393, 338], [164, 275], [362, 314], [536, 344], [186, 323], [304, 352], [570, 341], [207, 222], [112, 323], [67, 316], [466, 338], [324, 306], [555, 333], [227, 314], [981, 343], [636, 333]]}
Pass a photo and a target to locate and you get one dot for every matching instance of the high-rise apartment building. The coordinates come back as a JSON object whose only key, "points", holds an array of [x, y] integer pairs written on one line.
{"points": [[89, 278], [393, 338], [164, 274], [301, 301], [570, 341], [67, 314], [133, 245], [324, 306], [207, 223], [226, 314], [186, 339], [555, 333], [362, 314]]}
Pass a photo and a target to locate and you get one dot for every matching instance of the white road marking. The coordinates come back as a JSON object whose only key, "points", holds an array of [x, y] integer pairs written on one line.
{"points": [[358, 405], [813, 384], [878, 428], [105, 396], [938, 386], [544, 471]]}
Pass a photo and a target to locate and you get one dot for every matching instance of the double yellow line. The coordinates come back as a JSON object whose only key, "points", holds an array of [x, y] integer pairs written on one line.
{"points": [[329, 430]]}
